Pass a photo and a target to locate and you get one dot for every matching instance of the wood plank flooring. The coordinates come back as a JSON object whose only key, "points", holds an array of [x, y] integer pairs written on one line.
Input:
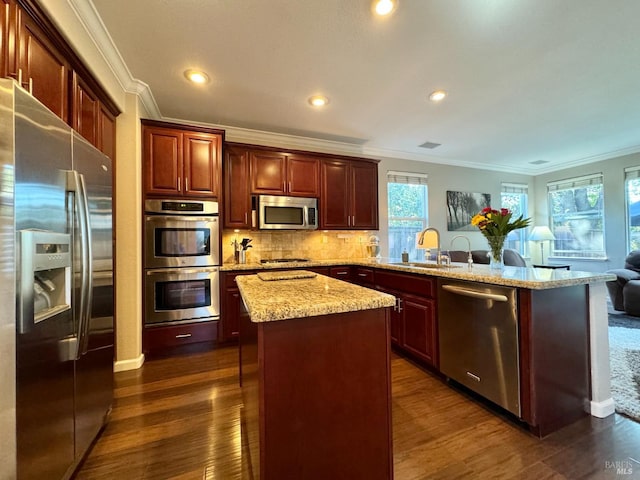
{"points": [[178, 418]]}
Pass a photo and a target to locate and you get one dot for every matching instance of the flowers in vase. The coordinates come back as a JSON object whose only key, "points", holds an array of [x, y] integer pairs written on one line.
{"points": [[497, 223]]}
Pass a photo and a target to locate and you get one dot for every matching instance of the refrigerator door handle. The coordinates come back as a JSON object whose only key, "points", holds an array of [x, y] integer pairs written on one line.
{"points": [[76, 184]]}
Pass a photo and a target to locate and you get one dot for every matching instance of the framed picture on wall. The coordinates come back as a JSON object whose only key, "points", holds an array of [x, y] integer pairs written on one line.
{"points": [[462, 206]]}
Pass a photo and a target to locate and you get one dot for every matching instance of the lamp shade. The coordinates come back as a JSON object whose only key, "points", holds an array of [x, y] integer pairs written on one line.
{"points": [[541, 233]]}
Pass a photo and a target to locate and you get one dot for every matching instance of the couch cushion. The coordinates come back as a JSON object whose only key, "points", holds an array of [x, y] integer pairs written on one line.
{"points": [[632, 262]]}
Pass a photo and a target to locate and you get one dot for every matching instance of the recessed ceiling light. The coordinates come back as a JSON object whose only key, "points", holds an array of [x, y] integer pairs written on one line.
{"points": [[437, 95], [318, 100], [196, 76], [384, 7]]}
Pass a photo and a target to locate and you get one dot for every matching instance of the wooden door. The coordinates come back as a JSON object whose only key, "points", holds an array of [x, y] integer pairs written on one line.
{"points": [[85, 111], [162, 156], [237, 199], [45, 71], [9, 38], [201, 156], [419, 335], [268, 172], [334, 198], [364, 195], [303, 176]]}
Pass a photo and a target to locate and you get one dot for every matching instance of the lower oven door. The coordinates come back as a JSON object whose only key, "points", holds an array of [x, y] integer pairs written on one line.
{"points": [[181, 295]]}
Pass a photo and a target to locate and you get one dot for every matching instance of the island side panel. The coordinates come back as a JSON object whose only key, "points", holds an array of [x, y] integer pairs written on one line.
{"points": [[249, 381], [554, 335], [326, 397]]}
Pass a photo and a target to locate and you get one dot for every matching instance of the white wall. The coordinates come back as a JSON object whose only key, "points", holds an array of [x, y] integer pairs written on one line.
{"points": [[614, 208], [440, 179]]}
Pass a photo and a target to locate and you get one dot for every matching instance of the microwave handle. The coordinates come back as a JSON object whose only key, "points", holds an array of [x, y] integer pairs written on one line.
{"points": [[305, 220]]}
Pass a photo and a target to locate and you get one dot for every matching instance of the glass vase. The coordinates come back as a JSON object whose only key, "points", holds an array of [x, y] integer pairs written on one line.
{"points": [[496, 252]]}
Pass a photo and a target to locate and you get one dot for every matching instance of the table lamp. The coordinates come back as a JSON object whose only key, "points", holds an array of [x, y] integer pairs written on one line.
{"points": [[541, 234]]}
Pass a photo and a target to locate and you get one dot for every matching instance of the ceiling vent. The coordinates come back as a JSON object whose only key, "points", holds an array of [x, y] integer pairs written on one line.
{"points": [[430, 145], [539, 162]]}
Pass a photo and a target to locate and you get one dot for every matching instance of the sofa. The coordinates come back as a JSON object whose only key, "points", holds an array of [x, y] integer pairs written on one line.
{"points": [[624, 292]]}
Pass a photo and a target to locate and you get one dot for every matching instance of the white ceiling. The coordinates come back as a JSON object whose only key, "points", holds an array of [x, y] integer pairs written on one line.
{"points": [[528, 80]]}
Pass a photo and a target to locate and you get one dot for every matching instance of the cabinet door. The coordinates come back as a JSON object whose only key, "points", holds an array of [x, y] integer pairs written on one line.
{"points": [[231, 319], [364, 195], [85, 111], [237, 199], [107, 133], [45, 72], [268, 172], [419, 335], [201, 156], [5, 16], [162, 155], [303, 176], [396, 317], [10, 25], [334, 198]]}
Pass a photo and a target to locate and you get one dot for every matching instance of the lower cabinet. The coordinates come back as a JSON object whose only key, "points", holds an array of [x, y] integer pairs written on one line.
{"points": [[414, 328], [231, 303], [163, 339]]}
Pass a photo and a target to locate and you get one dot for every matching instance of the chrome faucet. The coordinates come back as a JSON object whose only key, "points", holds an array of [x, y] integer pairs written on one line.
{"points": [[469, 256], [421, 241]]}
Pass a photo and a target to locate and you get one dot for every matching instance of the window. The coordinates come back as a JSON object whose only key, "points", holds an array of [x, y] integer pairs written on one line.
{"points": [[632, 189], [576, 214], [408, 211], [514, 196]]}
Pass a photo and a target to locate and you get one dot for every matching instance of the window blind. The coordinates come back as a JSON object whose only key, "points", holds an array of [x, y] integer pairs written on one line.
{"points": [[594, 179], [631, 172], [515, 188], [407, 177]]}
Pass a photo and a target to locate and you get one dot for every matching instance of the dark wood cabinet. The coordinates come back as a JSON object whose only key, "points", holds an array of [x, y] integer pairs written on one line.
{"points": [[276, 173], [364, 276], [34, 53], [413, 319], [181, 162], [237, 196], [85, 111], [43, 69], [349, 195], [342, 273], [161, 340], [231, 303]]}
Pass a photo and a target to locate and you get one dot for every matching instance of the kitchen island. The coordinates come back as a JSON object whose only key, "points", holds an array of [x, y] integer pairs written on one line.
{"points": [[561, 312], [315, 376]]}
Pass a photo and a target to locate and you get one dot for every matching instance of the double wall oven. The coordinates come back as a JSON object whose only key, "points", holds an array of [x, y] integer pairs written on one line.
{"points": [[182, 262]]}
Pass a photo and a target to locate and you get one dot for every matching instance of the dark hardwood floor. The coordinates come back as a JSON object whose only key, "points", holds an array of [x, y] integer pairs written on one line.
{"points": [[179, 418]]}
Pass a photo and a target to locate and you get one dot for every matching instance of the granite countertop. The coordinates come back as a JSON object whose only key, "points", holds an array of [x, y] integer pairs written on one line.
{"points": [[532, 278], [270, 300]]}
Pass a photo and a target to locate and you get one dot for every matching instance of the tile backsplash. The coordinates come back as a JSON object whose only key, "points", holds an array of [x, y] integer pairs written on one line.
{"points": [[315, 245]]}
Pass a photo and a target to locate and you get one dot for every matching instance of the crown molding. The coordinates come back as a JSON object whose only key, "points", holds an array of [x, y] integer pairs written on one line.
{"points": [[95, 28]]}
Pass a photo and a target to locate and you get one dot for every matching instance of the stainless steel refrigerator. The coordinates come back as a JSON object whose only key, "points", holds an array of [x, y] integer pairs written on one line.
{"points": [[64, 286]]}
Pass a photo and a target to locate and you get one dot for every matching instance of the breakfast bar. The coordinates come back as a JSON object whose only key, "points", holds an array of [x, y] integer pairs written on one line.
{"points": [[315, 376]]}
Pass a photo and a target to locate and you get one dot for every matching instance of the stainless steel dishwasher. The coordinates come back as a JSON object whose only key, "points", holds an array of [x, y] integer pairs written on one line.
{"points": [[478, 339]]}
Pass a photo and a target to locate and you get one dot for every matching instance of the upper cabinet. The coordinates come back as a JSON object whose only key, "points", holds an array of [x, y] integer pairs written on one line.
{"points": [[275, 173], [237, 196], [36, 55], [181, 161], [349, 195]]}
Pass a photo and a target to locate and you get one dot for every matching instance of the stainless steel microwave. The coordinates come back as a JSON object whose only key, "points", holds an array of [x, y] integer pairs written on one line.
{"points": [[287, 213]]}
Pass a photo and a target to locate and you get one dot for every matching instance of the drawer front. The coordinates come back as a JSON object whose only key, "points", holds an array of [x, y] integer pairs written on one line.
{"points": [[364, 275], [342, 273], [417, 284], [176, 335]]}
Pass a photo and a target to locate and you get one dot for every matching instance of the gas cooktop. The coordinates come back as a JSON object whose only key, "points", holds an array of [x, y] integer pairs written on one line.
{"points": [[284, 260]]}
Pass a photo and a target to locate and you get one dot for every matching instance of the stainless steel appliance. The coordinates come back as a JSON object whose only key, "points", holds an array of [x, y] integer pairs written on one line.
{"points": [[478, 339], [287, 213], [181, 233], [181, 295], [63, 277]]}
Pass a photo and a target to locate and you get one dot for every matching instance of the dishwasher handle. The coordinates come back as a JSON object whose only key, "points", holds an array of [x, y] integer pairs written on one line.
{"points": [[474, 293]]}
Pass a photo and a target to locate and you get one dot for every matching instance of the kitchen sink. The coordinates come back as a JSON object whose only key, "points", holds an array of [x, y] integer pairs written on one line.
{"points": [[424, 265]]}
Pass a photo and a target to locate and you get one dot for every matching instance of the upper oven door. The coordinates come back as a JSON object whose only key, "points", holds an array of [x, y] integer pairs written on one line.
{"points": [[181, 241]]}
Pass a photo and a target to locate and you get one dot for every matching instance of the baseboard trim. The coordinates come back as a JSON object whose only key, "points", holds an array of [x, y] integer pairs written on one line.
{"points": [[131, 364], [603, 409]]}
